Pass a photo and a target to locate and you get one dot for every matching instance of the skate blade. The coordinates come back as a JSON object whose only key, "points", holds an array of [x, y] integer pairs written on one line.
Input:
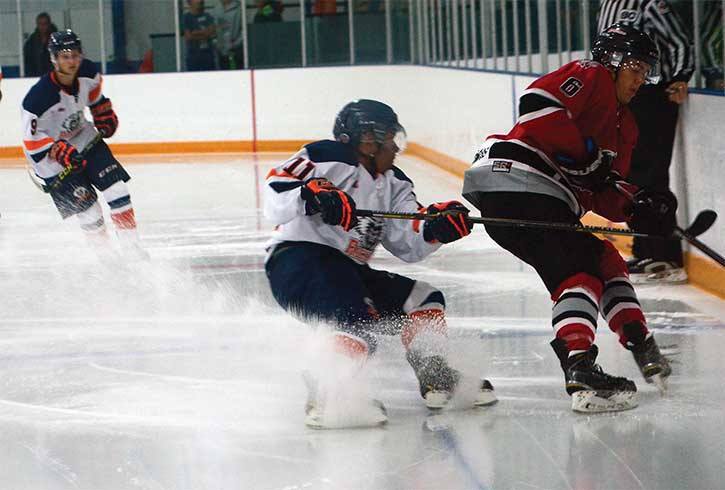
{"points": [[319, 422], [588, 401], [375, 415], [485, 398], [437, 400], [665, 277], [660, 382]]}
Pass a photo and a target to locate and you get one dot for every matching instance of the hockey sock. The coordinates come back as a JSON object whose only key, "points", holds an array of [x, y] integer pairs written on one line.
{"points": [[425, 330], [119, 200], [91, 220], [575, 311], [350, 346], [619, 304]]}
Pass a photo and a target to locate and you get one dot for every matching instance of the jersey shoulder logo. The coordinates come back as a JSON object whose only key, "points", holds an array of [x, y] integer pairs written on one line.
{"points": [[584, 64], [571, 86], [629, 16]]}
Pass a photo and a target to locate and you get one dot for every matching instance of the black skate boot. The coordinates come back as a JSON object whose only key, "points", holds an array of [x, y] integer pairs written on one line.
{"points": [[438, 381], [591, 389], [652, 364]]}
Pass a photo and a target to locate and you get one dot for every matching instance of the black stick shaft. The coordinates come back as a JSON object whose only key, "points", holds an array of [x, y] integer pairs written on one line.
{"points": [[519, 223], [700, 246]]}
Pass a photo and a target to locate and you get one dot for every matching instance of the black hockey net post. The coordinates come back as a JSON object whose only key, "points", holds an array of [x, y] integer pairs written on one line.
{"points": [[703, 221]]}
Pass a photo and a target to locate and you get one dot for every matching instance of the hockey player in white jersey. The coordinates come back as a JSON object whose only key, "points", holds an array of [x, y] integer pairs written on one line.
{"points": [[317, 262], [66, 150]]}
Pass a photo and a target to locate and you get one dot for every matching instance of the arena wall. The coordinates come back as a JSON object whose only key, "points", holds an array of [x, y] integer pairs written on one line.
{"points": [[446, 112]]}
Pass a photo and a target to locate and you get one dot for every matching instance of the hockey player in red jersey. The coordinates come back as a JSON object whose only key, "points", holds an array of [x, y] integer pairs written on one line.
{"points": [[569, 153], [317, 263], [66, 150]]}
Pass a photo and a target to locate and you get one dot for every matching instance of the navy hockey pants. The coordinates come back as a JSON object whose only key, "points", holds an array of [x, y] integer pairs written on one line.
{"points": [[319, 283], [77, 192]]}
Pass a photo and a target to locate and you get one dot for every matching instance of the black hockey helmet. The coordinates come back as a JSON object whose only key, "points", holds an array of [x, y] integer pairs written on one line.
{"points": [[621, 42], [65, 40], [368, 116]]}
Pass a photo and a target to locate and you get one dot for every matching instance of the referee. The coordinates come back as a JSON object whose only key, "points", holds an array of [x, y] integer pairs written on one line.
{"points": [[655, 108]]}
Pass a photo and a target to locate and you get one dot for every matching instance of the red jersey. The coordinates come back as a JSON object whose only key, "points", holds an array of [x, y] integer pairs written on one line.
{"points": [[558, 111]]}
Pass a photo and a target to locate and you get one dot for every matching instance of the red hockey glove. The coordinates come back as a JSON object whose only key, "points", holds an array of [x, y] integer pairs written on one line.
{"points": [[595, 171], [67, 155], [104, 118], [450, 224], [336, 207], [653, 212]]}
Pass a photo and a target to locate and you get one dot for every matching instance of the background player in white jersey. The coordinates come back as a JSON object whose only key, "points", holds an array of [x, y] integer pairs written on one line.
{"points": [[66, 150], [317, 265]]}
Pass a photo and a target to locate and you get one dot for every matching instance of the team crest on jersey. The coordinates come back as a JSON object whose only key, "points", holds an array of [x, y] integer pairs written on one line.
{"points": [[71, 124], [629, 16], [571, 86], [81, 193], [501, 166], [370, 231]]}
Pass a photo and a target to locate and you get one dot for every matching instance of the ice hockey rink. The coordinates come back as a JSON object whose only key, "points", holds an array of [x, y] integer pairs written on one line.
{"points": [[182, 373]]}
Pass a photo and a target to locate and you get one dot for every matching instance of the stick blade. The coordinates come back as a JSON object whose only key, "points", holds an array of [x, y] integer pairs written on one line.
{"points": [[703, 221]]}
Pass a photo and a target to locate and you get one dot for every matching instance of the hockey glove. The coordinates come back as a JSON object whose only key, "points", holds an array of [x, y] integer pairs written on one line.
{"points": [[594, 172], [104, 118], [450, 224], [67, 155], [653, 212], [335, 206]]}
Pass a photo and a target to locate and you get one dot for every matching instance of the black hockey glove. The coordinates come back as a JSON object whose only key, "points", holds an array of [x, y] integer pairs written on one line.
{"points": [[450, 224], [104, 117], [595, 171], [335, 206], [67, 155], [653, 212]]}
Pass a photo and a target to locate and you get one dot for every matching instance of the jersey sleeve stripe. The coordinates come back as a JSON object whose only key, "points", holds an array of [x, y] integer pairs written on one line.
{"points": [[283, 173], [96, 92], [37, 157], [533, 102], [33, 145], [280, 187], [537, 114]]}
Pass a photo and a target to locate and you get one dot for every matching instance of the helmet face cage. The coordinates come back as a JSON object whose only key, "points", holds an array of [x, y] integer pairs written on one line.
{"points": [[368, 121], [618, 60]]}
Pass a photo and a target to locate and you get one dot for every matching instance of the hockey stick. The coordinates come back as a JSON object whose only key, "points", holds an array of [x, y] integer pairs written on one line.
{"points": [[702, 223], [690, 237], [55, 183]]}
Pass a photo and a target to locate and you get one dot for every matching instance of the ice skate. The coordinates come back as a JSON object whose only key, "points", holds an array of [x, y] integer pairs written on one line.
{"points": [[591, 389], [651, 271], [438, 381], [331, 408], [652, 364]]}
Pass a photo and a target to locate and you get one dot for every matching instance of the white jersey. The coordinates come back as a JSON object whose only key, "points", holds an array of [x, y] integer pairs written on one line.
{"points": [[51, 112], [337, 162]]}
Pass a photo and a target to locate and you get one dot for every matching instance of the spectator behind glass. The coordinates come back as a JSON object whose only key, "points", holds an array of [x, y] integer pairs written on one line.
{"points": [[199, 33], [35, 52], [269, 11], [230, 40], [324, 7]]}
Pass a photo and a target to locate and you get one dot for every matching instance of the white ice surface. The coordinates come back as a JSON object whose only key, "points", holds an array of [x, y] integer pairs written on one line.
{"points": [[184, 374]]}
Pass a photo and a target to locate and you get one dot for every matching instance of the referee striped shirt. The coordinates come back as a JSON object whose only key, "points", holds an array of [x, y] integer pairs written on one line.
{"points": [[663, 25]]}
